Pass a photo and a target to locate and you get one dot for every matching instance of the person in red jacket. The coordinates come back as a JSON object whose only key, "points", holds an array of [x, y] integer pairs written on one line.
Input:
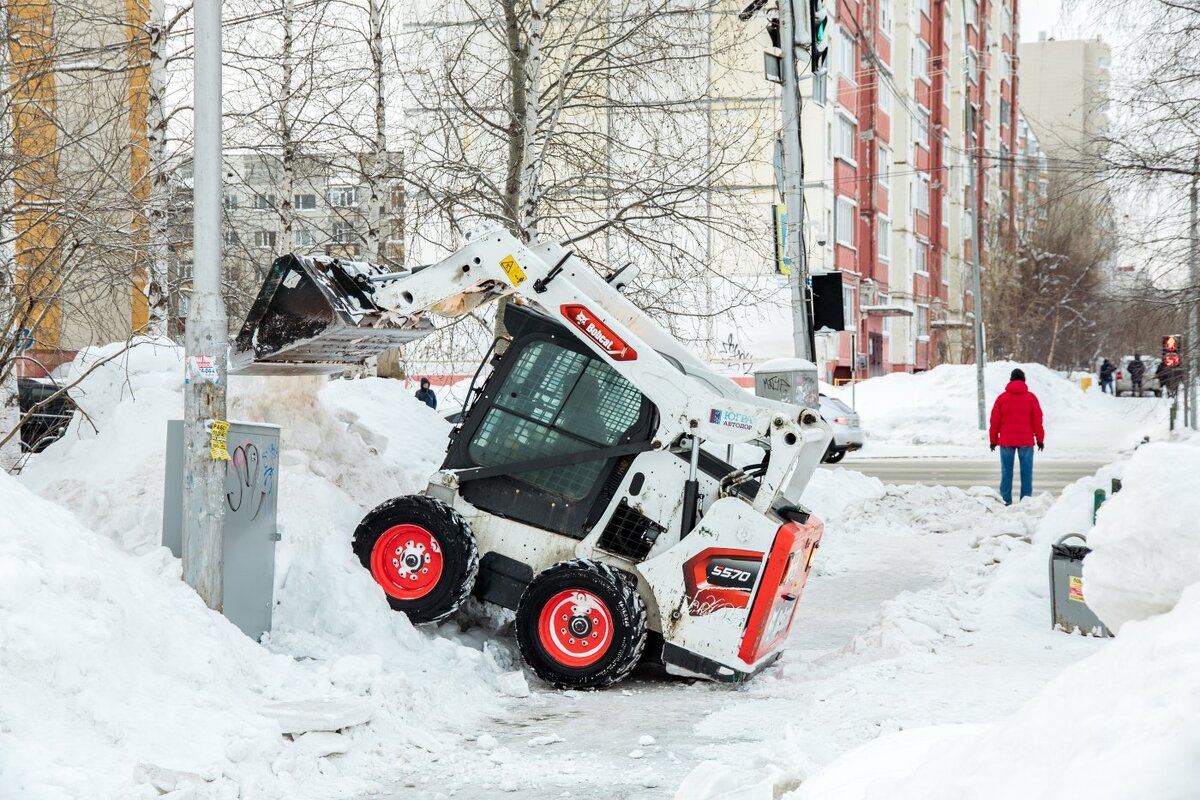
{"points": [[1016, 426]]}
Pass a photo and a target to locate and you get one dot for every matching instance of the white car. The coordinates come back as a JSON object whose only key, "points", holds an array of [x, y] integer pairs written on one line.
{"points": [[1123, 384], [847, 429]]}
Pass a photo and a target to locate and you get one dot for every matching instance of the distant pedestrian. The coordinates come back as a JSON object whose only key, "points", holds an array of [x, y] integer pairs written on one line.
{"points": [[1016, 427], [426, 395], [1106, 376], [1137, 371], [1168, 378]]}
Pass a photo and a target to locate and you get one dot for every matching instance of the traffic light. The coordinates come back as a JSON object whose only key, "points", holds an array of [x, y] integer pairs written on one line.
{"points": [[818, 20], [1171, 350]]}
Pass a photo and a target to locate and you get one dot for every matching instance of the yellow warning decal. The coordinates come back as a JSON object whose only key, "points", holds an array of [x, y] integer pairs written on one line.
{"points": [[516, 275], [1075, 588]]}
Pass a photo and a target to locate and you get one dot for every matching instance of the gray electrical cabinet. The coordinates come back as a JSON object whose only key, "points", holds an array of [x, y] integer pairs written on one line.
{"points": [[251, 498], [789, 380]]}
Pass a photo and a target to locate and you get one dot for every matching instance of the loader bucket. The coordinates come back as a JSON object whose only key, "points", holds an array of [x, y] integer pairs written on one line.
{"points": [[316, 315]]}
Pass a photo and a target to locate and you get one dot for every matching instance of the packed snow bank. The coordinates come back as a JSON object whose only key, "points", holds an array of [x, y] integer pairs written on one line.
{"points": [[113, 673], [1123, 723], [346, 446], [1145, 548], [939, 407]]}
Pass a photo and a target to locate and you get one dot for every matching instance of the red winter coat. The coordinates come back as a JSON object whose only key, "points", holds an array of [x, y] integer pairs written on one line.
{"points": [[1016, 418]]}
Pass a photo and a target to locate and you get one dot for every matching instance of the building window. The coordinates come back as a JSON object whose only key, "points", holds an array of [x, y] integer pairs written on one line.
{"points": [[1005, 111], [922, 127], [885, 18], [231, 239], [1006, 22], [945, 208], [846, 137], [343, 233], [885, 239], [848, 316], [921, 61], [1005, 67], [306, 237], [819, 93], [264, 238], [264, 201], [923, 323], [968, 224], [305, 202], [920, 264], [923, 7], [885, 98], [231, 201], [343, 196], [847, 57], [945, 268], [885, 167], [923, 194], [972, 67], [844, 220], [972, 7]]}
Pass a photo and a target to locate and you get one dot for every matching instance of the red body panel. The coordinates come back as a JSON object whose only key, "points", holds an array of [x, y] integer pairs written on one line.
{"points": [[779, 590]]}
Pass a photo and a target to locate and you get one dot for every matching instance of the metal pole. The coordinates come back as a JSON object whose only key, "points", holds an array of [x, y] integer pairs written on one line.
{"points": [[1192, 341], [793, 189], [204, 394], [980, 357]]}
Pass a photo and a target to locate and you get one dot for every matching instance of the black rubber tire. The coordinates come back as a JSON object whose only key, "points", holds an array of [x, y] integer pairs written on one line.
{"points": [[619, 592], [460, 557], [834, 456]]}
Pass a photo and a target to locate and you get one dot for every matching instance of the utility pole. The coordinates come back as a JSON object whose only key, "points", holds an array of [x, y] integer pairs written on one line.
{"points": [[980, 356], [207, 335], [1192, 341], [793, 189]]}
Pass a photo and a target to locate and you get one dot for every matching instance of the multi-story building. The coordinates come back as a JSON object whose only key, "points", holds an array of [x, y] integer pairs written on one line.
{"points": [[917, 92], [1065, 95]]}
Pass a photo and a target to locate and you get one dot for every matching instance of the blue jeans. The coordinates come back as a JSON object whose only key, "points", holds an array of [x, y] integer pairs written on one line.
{"points": [[1025, 456]]}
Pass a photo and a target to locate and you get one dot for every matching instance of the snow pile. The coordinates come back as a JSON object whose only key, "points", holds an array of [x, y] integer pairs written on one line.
{"points": [[1122, 723], [939, 407], [346, 446], [1145, 548], [831, 492], [114, 673]]}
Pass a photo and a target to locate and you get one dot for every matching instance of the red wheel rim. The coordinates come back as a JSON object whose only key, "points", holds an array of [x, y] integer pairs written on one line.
{"points": [[407, 562], [575, 628]]}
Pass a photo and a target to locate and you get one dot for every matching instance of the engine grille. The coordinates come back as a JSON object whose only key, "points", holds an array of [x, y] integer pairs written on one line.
{"points": [[629, 534]]}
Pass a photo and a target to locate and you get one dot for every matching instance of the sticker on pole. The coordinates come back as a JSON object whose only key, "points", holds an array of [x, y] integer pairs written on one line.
{"points": [[1075, 588], [516, 275], [603, 336], [217, 445], [202, 369]]}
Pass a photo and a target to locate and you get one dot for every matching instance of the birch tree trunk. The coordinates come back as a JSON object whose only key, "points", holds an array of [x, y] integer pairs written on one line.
{"points": [[378, 155], [287, 147], [158, 289], [531, 158]]}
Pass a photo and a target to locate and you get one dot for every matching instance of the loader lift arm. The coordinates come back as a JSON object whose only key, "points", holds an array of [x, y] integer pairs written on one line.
{"points": [[318, 315]]}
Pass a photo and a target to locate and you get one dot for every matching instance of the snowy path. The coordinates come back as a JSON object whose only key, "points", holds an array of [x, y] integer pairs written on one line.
{"points": [[1048, 476], [910, 553]]}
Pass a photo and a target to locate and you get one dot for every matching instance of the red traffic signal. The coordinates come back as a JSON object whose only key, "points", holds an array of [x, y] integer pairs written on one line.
{"points": [[1171, 347]]}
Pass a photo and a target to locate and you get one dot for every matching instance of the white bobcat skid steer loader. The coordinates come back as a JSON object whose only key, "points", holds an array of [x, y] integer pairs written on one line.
{"points": [[575, 489]]}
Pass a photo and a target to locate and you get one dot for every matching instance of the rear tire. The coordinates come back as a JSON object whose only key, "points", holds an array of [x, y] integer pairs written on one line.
{"points": [[581, 625], [834, 456], [422, 554]]}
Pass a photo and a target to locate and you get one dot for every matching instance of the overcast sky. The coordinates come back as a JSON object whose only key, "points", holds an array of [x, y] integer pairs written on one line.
{"points": [[1038, 15]]}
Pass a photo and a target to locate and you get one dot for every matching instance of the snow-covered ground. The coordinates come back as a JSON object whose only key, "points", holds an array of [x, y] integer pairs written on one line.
{"points": [[936, 413], [922, 662]]}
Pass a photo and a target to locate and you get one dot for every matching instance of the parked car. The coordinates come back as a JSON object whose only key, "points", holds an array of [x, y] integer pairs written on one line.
{"points": [[1123, 384], [48, 423], [847, 429]]}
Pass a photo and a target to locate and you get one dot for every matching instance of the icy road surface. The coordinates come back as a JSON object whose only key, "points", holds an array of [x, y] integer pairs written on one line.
{"points": [[889, 635]]}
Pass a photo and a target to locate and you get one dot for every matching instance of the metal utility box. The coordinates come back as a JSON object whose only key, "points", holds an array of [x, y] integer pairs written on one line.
{"points": [[251, 497], [790, 380], [1068, 608]]}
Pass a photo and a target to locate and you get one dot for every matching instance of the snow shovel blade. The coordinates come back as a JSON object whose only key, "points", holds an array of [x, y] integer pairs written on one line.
{"points": [[315, 316]]}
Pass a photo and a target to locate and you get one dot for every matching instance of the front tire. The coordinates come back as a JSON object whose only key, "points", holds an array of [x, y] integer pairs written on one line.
{"points": [[422, 554], [581, 625], [834, 456]]}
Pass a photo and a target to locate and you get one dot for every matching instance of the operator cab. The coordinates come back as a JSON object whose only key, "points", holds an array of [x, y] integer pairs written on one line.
{"points": [[549, 399]]}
